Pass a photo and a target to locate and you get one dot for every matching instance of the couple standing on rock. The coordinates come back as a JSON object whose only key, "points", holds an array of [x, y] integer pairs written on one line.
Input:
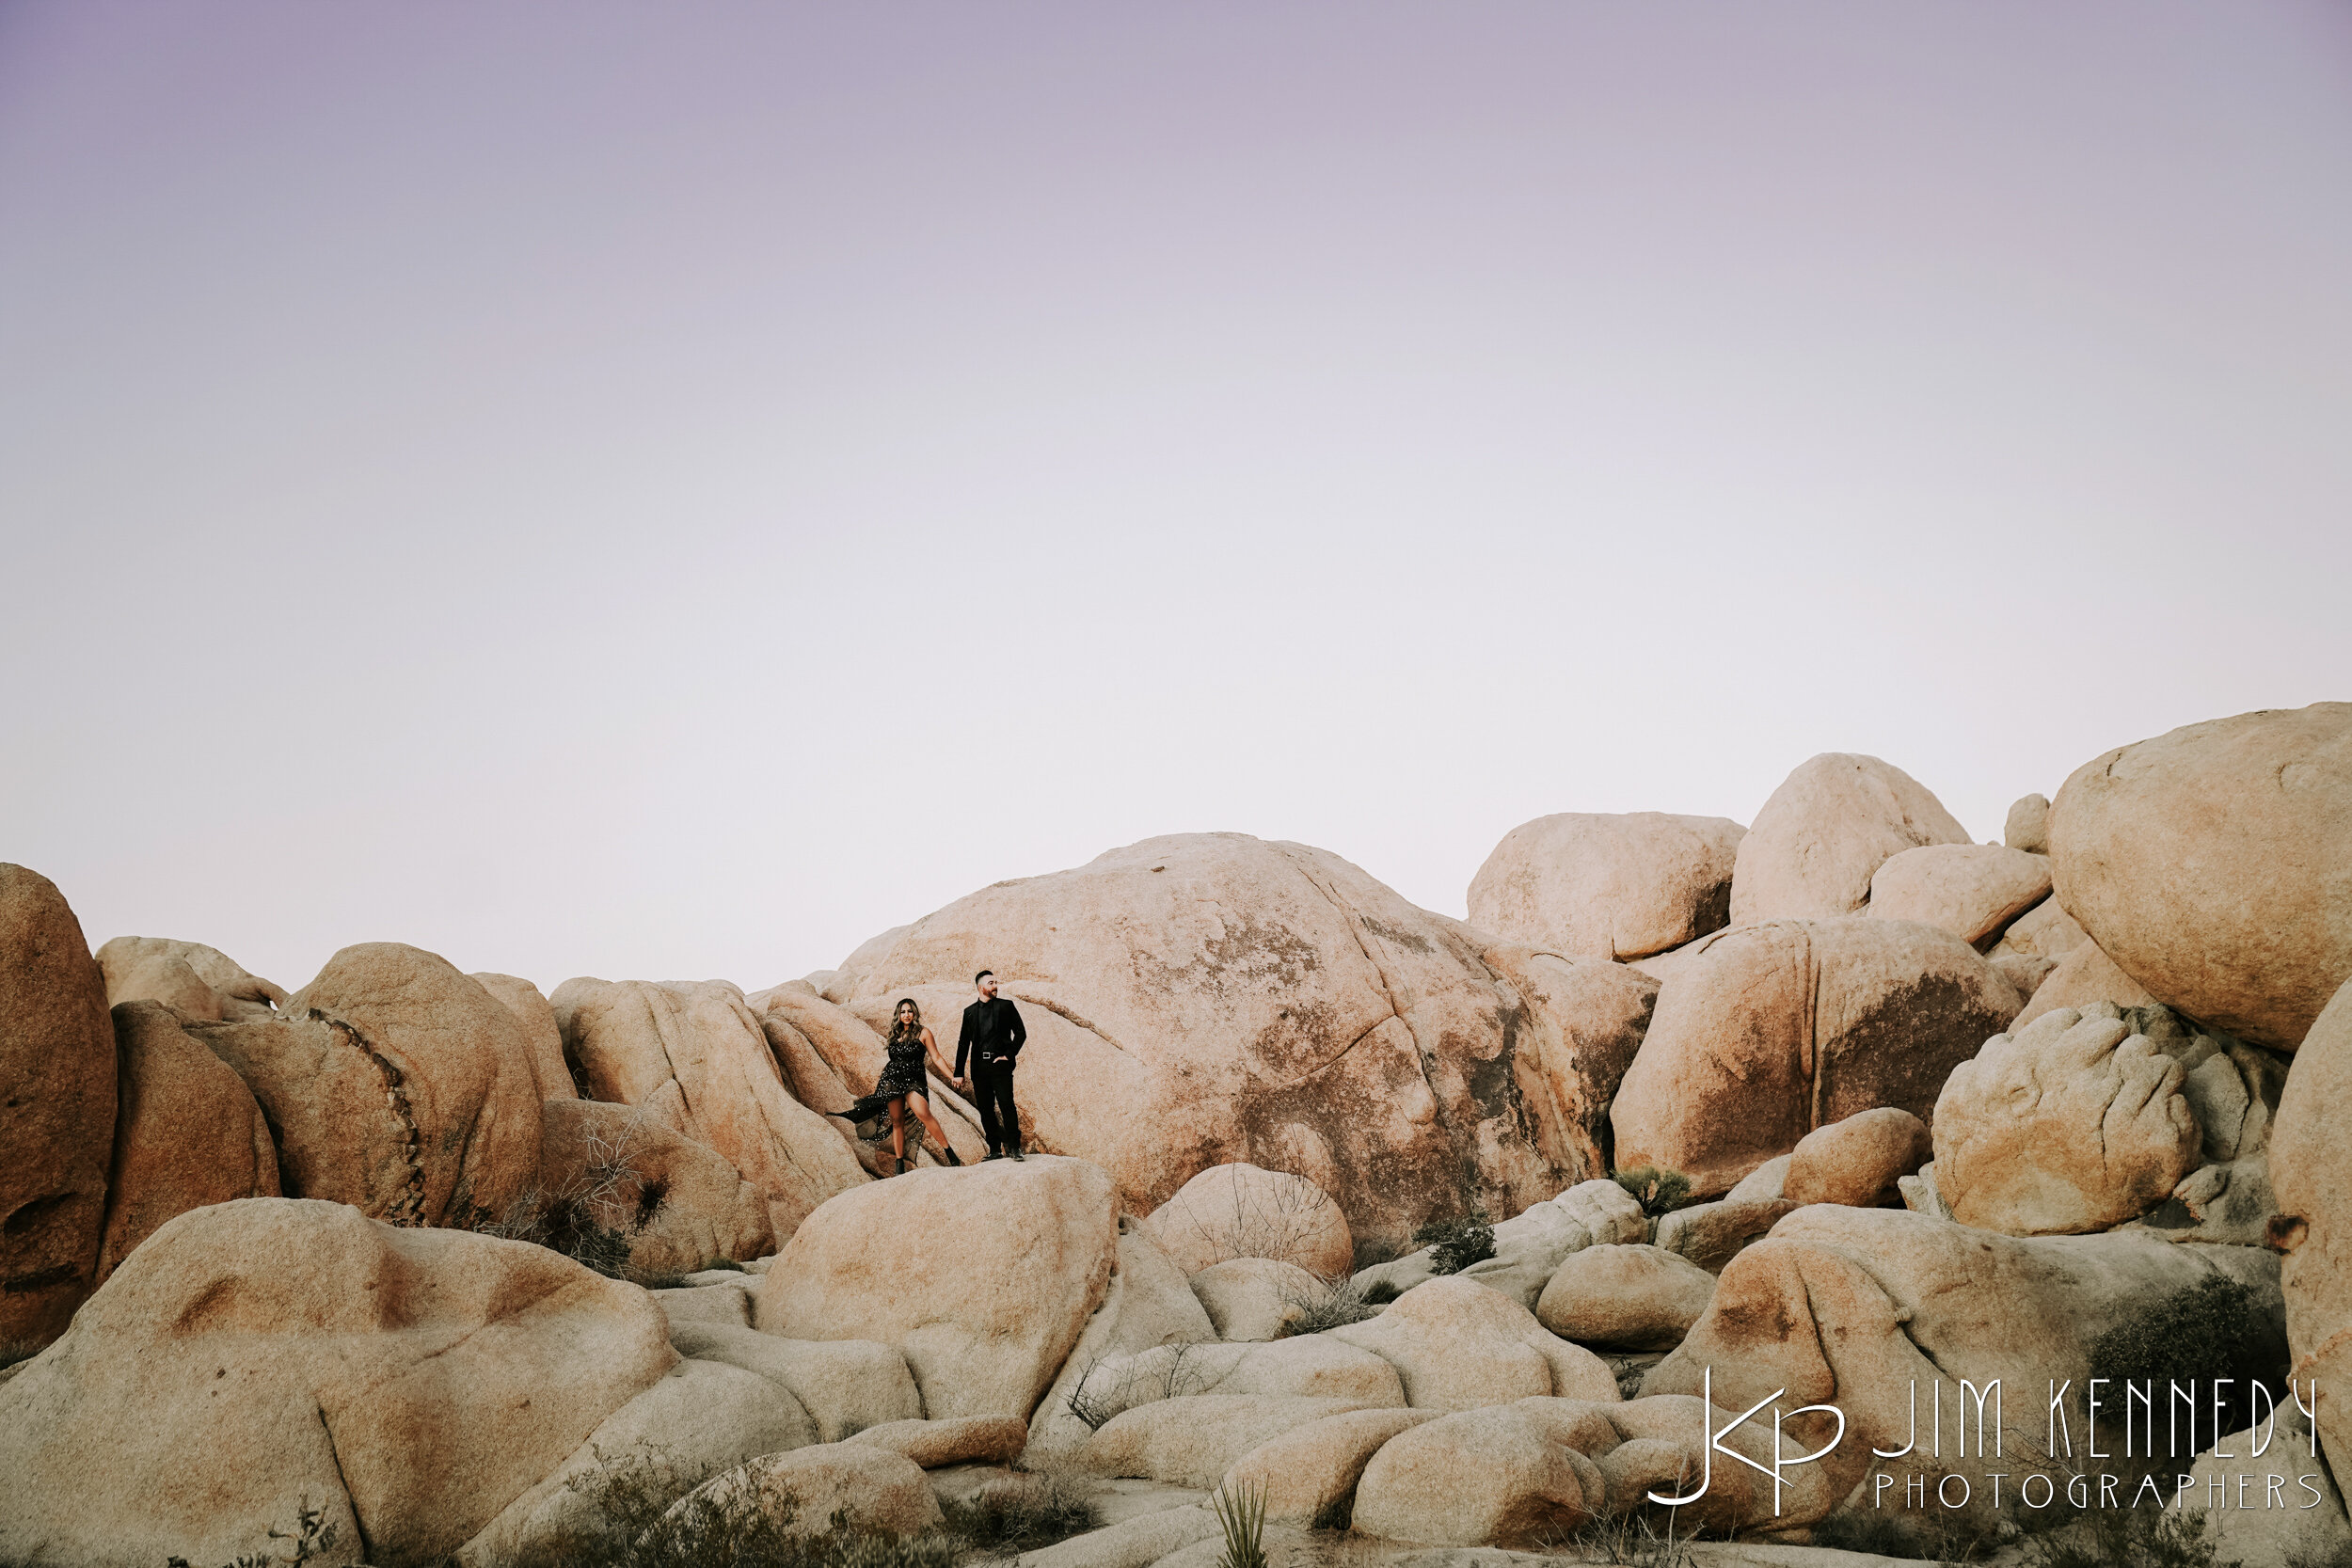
{"points": [[991, 1038]]}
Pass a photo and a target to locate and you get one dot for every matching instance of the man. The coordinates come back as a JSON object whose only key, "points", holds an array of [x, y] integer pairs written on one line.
{"points": [[993, 1033]]}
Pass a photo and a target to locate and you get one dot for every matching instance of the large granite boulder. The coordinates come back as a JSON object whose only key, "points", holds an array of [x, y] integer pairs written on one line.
{"points": [[531, 1008], [1193, 1439], [1971, 890], [675, 1204], [253, 1356], [1578, 1025], [57, 1108], [2073, 1124], [1608, 886], [187, 1134], [1307, 1476], [202, 982], [1148, 1303], [702, 1417], [2027, 825], [1626, 1295], [2214, 865], [1309, 1366], [982, 1278], [2311, 1169], [1511, 1474], [1243, 1001], [1458, 1345], [845, 1386], [1239, 1211], [1254, 1299], [1768, 1032], [1823, 834], [2084, 977], [1858, 1162], [631, 1039], [394, 1083]]}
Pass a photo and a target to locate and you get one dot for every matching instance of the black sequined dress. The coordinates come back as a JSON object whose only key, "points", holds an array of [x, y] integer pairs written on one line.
{"points": [[901, 1075]]}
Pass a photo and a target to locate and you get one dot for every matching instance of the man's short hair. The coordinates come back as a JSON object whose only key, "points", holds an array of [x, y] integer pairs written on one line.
{"points": [[982, 975]]}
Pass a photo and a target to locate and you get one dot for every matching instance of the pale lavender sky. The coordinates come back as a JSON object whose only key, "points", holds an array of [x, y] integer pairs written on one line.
{"points": [[668, 491]]}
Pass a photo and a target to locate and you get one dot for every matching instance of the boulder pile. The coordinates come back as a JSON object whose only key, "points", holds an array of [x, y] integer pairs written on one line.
{"points": [[1695, 1147]]}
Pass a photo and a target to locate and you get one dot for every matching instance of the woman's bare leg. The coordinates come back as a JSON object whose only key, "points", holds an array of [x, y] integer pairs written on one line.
{"points": [[899, 1127], [921, 1106]]}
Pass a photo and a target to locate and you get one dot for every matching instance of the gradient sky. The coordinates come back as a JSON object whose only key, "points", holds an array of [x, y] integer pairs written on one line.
{"points": [[668, 491]]}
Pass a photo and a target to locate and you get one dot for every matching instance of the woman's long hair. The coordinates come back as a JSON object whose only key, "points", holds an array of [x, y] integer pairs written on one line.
{"points": [[903, 1028]]}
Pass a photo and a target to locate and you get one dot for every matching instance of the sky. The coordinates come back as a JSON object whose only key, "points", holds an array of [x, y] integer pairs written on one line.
{"points": [[668, 491]]}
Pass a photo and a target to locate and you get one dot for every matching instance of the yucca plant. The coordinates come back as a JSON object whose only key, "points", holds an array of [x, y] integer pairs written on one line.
{"points": [[1242, 1514]]}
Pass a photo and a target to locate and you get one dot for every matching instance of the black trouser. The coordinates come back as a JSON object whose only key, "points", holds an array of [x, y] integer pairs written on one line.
{"points": [[991, 1091]]}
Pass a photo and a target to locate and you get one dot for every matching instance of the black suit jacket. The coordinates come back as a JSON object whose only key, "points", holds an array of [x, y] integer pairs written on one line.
{"points": [[990, 1029]]}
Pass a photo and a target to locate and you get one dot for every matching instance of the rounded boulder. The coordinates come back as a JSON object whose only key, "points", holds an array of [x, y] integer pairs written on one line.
{"points": [[56, 1107], [1626, 1295], [253, 1355], [982, 1277], [2072, 1124], [1971, 890], [1243, 1001], [1238, 1210], [188, 1132], [1768, 1032], [1608, 886], [1825, 831], [2214, 865], [1857, 1161], [2311, 1171]]}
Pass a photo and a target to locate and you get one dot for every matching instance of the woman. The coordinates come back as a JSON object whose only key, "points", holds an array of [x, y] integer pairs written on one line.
{"points": [[902, 1085]]}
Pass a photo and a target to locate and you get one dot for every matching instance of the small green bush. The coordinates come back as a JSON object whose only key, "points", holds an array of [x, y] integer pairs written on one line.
{"points": [[312, 1537], [1937, 1537], [1328, 1304], [1456, 1245], [1015, 1519], [2128, 1538], [1659, 1192], [2216, 1329], [633, 1498]]}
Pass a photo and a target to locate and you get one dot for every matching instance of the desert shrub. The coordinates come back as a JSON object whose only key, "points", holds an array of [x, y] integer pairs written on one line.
{"points": [[596, 1216], [1024, 1519], [1088, 1400], [2214, 1329], [1930, 1537], [1325, 1304], [1456, 1245], [1241, 1515], [1877, 1531], [312, 1537], [2127, 1538], [641, 1527], [1634, 1540], [1273, 1220], [1659, 1192]]}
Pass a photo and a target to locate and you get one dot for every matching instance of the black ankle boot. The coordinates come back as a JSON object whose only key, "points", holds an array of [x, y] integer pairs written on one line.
{"points": [[953, 1158]]}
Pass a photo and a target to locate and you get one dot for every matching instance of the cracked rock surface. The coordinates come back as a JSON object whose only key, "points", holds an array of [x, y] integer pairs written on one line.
{"points": [[2073, 1124], [1241, 1000]]}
